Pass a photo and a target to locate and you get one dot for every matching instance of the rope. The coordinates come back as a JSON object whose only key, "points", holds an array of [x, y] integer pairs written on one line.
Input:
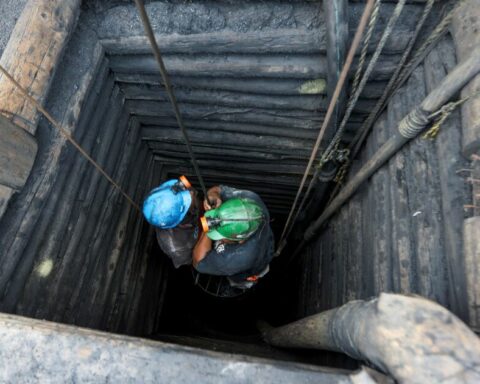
{"points": [[420, 54], [366, 43], [68, 137], [443, 113], [341, 80], [425, 48], [393, 82], [168, 87], [333, 146], [373, 61]]}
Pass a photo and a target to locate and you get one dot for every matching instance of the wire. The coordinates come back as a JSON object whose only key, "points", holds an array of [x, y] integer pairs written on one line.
{"points": [[69, 137], [341, 81], [392, 84], [168, 87]]}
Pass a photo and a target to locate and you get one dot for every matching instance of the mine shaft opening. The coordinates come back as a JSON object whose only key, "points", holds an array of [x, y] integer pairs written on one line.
{"points": [[252, 82]]}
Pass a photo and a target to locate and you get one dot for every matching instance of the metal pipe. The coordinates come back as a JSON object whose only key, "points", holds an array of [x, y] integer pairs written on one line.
{"points": [[413, 339], [410, 127]]}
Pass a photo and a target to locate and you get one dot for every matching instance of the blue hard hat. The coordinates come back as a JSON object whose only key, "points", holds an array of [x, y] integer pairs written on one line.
{"points": [[166, 206]]}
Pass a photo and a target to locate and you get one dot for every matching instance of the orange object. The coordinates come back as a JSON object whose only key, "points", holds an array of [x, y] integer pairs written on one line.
{"points": [[253, 278], [204, 222], [185, 181]]}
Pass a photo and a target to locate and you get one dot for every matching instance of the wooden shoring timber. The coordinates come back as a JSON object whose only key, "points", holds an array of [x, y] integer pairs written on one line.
{"points": [[5, 194], [276, 41], [226, 124], [117, 300], [32, 54], [287, 180], [294, 119], [238, 156], [471, 246], [255, 141], [226, 98], [211, 151], [290, 153], [254, 86], [18, 149], [51, 229], [336, 17], [235, 99], [231, 65], [71, 178], [465, 26], [265, 41], [239, 166], [15, 235]]}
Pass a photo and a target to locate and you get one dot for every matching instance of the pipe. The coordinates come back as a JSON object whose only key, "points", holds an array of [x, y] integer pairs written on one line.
{"points": [[414, 123], [413, 339]]}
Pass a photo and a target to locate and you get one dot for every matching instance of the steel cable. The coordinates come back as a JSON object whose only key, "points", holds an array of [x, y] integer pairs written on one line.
{"points": [[395, 81], [356, 81], [351, 104], [168, 87], [341, 81]]}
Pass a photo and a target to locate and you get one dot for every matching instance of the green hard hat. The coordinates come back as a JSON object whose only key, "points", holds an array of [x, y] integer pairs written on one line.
{"points": [[236, 219]]}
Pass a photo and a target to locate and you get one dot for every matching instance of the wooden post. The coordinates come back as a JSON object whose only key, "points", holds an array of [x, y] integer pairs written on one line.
{"points": [[17, 154], [465, 26], [32, 53], [336, 19]]}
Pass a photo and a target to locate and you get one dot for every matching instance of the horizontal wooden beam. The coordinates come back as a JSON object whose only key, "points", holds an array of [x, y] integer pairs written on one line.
{"points": [[259, 116], [268, 129], [179, 151], [261, 86], [229, 126], [237, 165], [250, 66], [212, 147], [255, 86], [17, 153], [220, 175], [238, 99], [277, 41], [241, 139]]}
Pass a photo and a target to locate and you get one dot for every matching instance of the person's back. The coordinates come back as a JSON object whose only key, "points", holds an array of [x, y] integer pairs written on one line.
{"points": [[242, 261]]}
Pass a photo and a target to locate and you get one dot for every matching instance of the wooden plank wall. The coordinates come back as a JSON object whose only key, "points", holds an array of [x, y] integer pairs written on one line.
{"points": [[402, 231], [72, 248]]}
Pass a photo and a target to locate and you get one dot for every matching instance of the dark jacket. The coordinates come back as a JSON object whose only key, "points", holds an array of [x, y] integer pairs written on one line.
{"points": [[236, 260]]}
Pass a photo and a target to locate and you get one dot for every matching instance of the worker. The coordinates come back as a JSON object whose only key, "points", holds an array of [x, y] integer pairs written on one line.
{"points": [[240, 248], [174, 209]]}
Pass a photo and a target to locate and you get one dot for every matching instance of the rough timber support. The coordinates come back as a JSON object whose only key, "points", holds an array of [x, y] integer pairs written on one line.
{"points": [[336, 18], [32, 53], [31, 56], [465, 27]]}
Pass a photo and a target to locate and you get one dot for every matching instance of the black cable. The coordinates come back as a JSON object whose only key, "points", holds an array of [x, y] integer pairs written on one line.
{"points": [[168, 88]]}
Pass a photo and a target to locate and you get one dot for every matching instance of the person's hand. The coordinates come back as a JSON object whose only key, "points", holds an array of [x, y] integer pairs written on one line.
{"points": [[213, 199], [212, 202]]}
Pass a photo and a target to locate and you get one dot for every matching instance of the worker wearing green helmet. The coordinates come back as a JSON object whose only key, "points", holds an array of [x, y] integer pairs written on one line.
{"points": [[237, 240]]}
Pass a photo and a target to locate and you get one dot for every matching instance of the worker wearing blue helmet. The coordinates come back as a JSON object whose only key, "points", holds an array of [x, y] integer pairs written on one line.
{"points": [[173, 209]]}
